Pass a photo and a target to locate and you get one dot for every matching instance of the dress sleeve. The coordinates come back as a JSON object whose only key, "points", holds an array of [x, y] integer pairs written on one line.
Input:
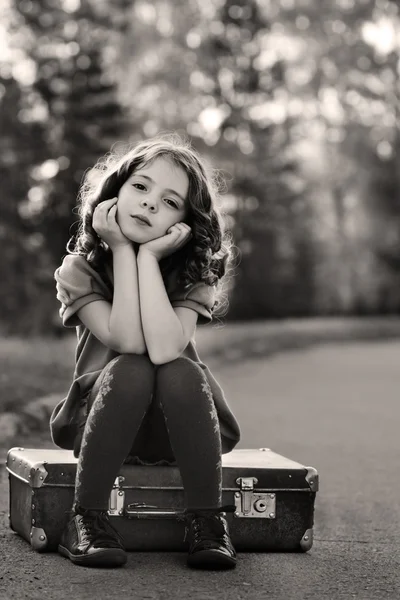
{"points": [[77, 284], [199, 297]]}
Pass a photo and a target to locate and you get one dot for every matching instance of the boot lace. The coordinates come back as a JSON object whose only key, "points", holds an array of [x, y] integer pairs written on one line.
{"points": [[207, 524], [98, 531]]}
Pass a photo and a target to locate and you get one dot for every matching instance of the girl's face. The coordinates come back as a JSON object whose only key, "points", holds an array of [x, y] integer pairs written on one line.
{"points": [[157, 192]]}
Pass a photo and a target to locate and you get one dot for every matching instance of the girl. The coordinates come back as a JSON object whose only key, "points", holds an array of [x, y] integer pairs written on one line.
{"points": [[149, 253]]}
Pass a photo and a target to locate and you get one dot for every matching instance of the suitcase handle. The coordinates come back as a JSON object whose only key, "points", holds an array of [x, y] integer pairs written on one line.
{"points": [[139, 510]]}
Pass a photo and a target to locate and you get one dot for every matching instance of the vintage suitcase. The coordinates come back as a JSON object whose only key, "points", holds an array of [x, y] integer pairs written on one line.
{"points": [[274, 499]]}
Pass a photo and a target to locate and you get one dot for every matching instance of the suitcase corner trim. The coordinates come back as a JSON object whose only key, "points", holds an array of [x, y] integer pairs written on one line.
{"points": [[307, 540], [33, 474], [38, 539], [312, 478]]}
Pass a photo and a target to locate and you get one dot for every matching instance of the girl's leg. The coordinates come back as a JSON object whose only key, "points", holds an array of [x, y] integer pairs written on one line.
{"points": [[193, 426], [114, 419]]}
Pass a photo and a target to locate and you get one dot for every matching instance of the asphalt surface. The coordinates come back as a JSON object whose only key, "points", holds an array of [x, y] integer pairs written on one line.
{"points": [[334, 407]]}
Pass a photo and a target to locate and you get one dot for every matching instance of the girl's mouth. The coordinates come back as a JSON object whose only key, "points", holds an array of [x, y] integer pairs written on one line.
{"points": [[141, 220]]}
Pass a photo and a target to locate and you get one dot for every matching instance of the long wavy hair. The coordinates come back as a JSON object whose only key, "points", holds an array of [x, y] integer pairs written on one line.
{"points": [[207, 256]]}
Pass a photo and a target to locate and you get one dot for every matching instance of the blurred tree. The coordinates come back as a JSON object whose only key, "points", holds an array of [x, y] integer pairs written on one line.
{"points": [[71, 49], [64, 56], [345, 77], [20, 243]]}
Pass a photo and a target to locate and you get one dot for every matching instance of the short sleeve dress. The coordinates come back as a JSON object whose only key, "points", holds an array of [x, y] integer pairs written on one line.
{"points": [[78, 284]]}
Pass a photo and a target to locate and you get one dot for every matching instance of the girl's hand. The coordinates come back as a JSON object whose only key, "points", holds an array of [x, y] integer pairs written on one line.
{"points": [[176, 237], [105, 225]]}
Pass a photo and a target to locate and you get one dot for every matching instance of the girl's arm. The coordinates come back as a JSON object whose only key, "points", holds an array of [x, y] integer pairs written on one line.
{"points": [[118, 325], [125, 322], [162, 329]]}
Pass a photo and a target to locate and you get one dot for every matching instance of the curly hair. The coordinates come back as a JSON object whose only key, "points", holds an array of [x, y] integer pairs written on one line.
{"points": [[208, 254]]}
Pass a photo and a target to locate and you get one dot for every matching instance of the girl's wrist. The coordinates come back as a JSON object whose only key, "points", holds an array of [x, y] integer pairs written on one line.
{"points": [[143, 251], [122, 248]]}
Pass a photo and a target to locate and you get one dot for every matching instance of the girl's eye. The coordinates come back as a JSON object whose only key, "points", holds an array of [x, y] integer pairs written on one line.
{"points": [[173, 202], [141, 186]]}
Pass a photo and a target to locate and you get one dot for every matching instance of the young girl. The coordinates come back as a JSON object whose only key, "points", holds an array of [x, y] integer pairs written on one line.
{"points": [[148, 256]]}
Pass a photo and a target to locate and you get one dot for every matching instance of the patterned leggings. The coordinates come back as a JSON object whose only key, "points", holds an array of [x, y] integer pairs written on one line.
{"points": [[161, 414]]}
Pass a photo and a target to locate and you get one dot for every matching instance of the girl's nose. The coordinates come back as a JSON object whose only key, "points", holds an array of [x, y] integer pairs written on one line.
{"points": [[150, 204]]}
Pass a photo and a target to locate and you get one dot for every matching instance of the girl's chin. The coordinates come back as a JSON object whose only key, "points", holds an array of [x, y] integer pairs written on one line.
{"points": [[136, 237], [139, 234], [139, 240]]}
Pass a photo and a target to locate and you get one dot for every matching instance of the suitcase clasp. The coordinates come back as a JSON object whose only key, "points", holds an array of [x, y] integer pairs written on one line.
{"points": [[253, 504], [117, 498]]}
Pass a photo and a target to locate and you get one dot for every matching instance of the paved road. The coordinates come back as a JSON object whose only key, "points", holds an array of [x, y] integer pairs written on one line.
{"points": [[333, 407]]}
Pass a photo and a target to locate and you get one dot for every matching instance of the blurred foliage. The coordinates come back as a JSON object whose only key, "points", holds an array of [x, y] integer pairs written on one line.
{"points": [[295, 102]]}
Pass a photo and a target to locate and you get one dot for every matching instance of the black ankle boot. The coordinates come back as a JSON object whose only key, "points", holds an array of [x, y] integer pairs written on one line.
{"points": [[210, 545], [90, 540]]}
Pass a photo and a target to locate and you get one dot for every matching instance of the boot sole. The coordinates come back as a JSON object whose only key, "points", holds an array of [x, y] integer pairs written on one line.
{"points": [[206, 559], [110, 557]]}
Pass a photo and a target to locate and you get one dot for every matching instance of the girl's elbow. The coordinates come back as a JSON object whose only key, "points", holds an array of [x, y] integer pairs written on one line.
{"points": [[162, 358], [131, 349], [161, 355]]}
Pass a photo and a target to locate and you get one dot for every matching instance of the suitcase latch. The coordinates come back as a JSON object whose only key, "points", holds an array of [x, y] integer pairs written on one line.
{"points": [[252, 504], [117, 498]]}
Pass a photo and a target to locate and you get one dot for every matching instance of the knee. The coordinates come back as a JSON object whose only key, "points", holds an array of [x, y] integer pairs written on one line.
{"points": [[179, 382], [178, 368], [133, 360], [129, 368], [125, 376], [180, 374]]}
